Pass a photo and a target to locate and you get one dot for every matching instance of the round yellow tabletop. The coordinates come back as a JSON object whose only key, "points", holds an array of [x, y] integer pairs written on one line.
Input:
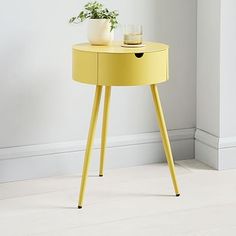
{"points": [[115, 65]]}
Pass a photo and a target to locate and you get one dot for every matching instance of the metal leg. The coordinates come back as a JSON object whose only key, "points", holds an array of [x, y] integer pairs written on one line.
{"points": [[104, 128], [90, 139], [164, 136]]}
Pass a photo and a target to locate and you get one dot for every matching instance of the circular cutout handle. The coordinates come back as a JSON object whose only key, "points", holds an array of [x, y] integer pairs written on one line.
{"points": [[139, 55]]}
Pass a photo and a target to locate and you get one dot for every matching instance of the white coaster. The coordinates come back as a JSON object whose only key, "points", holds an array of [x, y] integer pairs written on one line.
{"points": [[133, 46]]}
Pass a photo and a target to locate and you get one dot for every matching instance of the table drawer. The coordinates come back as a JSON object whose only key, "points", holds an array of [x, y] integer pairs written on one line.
{"points": [[127, 69], [84, 67]]}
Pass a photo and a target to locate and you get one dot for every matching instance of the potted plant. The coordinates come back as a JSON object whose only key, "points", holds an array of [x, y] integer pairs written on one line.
{"points": [[101, 25]]}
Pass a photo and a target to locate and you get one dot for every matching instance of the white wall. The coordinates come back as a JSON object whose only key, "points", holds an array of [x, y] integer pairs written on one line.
{"points": [[228, 72], [208, 65], [216, 82], [39, 102]]}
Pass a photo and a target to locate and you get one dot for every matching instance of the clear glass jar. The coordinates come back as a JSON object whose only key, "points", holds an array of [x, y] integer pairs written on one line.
{"points": [[133, 34]]}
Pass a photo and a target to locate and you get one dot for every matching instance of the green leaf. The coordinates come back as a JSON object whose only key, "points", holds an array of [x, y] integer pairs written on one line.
{"points": [[96, 10]]}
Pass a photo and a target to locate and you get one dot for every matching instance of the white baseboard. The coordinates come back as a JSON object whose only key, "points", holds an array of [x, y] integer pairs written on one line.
{"points": [[217, 152], [27, 162]]}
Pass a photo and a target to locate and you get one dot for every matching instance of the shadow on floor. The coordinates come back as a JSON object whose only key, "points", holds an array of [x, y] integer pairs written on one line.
{"points": [[193, 165], [125, 195]]}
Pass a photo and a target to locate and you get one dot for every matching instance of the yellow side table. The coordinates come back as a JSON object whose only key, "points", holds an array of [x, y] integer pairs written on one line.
{"points": [[117, 66]]}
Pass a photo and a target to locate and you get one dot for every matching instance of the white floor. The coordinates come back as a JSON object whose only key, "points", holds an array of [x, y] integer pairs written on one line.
{"points": [[132, 201]]}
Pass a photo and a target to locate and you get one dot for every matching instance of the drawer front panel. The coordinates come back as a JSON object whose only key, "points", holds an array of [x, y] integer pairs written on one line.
{"points": [[132, 69], [84, 67]]}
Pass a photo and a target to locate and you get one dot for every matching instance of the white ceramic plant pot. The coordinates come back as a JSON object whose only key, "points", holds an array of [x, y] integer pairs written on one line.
{"points": [[99, 31]]}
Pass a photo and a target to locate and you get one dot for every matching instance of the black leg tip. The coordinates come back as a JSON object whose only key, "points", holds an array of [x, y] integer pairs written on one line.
{"points": [[177, 195], [100, 175], [79, 207]]}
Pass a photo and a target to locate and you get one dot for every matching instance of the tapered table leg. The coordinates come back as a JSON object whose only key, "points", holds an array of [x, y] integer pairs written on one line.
{"points": [[104, 128], [164, 136], [90, 139]]}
